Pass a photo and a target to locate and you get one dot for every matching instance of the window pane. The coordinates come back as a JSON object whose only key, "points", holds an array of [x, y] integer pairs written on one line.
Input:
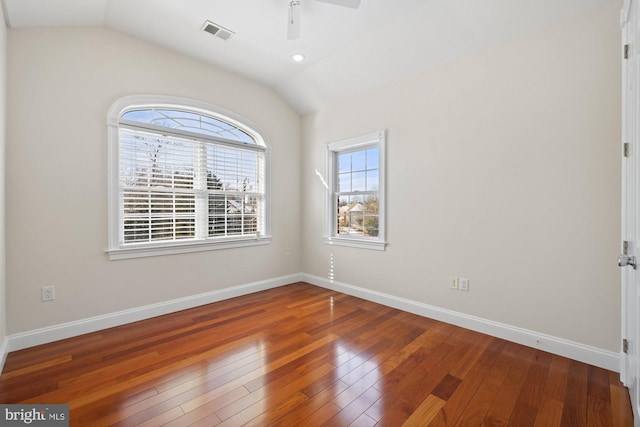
{"points": [[358, 181], [152, 216], [213, 182], [233, 169], [136, 230], [344, 182], [371, 225], [373, 158], [373, 180], [343, 215], [217, 214], [149, 161], [185, 228], [232, 215], [358, 171], [350, 215], [356, 213], [344, 162], [191, 122], [371, 209], [371, 205], [358, 161], [142, 116]]}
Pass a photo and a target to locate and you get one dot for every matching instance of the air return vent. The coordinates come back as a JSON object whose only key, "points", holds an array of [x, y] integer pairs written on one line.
{"points": [[217, 30]]}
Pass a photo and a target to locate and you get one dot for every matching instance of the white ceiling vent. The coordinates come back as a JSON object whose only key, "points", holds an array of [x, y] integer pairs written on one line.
{"points": [[217, 30]]}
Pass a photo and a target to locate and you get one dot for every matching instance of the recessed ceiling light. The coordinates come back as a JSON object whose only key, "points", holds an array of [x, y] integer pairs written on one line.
{"points": [[298, 57]]}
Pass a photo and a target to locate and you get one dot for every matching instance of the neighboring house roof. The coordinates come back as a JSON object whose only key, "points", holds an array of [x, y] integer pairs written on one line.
{"points": [[236, 207], [354, 207], [357, 207]]}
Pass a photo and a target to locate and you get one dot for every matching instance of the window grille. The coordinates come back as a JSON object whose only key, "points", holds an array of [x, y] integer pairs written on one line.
{"points": [[356, 192]]}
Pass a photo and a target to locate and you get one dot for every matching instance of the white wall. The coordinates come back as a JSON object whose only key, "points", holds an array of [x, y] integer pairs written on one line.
{"points": [[62, 82], [503, 167], [3, 99]]}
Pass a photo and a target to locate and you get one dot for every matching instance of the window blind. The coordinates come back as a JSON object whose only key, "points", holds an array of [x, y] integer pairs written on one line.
{"points": [[178, 189]]}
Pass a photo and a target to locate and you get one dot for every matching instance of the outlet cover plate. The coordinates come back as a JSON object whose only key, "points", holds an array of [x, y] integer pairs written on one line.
{"points": [[48, 293]]}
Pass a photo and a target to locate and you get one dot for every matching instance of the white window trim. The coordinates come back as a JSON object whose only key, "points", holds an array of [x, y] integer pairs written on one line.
{"points": [[376, 139], [114, 250]]}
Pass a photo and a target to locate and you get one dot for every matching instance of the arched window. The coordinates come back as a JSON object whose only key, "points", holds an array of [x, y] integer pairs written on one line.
{"points": [[185, 176]]}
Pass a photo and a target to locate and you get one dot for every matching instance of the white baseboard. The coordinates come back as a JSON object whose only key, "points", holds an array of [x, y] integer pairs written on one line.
{"points": [[93, 324], [573, 350], [3, 352]]}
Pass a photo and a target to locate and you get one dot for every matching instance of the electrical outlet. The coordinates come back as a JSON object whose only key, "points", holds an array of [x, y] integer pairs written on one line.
{"points": [[287, 256], [453, 282], [48, 293], [464, 284]]}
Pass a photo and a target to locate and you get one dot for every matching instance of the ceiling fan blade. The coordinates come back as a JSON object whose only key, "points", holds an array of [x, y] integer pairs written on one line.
{"points": [[354, 4], [293, 24]]}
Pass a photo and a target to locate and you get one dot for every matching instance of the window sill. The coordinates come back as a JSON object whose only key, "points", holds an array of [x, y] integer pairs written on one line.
{"points": [[182, 248], [356, 243]]}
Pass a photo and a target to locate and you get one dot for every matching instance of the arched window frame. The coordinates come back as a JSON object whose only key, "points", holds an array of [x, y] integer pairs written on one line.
{"points": [[117, 249]]}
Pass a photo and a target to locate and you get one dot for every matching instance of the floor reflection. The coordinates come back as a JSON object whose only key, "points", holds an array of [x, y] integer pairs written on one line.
{"points": [[359, 370]]}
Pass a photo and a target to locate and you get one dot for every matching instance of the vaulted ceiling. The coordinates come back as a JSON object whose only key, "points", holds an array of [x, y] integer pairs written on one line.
{"points": [[348, 51]]}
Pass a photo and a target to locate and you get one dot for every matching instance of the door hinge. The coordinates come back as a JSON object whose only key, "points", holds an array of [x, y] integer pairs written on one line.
{"points": [[625, 149], [625, 345], [625, 247], [626, 51]]}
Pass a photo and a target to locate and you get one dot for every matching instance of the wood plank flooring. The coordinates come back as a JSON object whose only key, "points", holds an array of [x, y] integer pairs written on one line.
{"points": [[300, 355]]}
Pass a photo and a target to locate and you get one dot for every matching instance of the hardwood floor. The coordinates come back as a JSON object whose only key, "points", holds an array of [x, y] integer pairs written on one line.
{"points": [[300, 355]]}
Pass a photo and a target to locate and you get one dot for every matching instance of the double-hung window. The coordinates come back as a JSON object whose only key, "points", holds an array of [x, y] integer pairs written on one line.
{"points": [[184, 178], [356, 192]]}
